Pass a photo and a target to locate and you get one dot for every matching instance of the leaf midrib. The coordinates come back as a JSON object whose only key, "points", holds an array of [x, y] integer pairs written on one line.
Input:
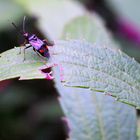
{"points": [[129, 85]]}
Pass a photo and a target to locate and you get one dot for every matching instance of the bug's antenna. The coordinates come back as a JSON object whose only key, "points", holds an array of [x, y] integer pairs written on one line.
{"points": [[16, 28], [24, 24]]}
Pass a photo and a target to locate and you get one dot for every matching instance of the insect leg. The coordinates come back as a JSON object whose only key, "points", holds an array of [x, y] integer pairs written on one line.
{"points": [[24, 44], [48, 43], [25, 49]]}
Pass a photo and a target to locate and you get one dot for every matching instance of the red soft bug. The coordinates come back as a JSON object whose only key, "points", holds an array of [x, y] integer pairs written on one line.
{"points": [[39, 46]]}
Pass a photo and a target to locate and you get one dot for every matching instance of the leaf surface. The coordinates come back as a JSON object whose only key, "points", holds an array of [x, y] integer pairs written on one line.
{"points": [[92, 116], [100, 69], [87, 27], [13, 65]]}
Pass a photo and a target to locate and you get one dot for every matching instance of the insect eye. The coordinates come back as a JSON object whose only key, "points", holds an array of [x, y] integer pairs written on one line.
{"points": [[35, 37]]}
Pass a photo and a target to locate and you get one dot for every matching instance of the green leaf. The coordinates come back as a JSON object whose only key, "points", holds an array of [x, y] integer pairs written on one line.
{"points": [[76, 30], [87, 27], [92, 116], [99, 69], [13, 65]]}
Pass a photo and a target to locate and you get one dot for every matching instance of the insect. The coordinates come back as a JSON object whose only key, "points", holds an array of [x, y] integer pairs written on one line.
{"points": [[39, 46]]}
